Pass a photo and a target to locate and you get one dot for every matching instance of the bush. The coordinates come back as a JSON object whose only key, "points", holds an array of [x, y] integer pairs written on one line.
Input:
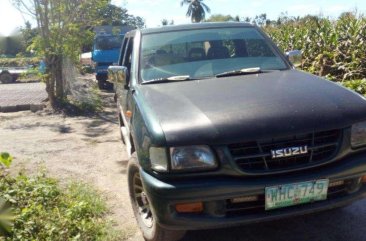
{"points": [[31, 74], [86, 69], [44, 211], [357, 85], [19, 62]]}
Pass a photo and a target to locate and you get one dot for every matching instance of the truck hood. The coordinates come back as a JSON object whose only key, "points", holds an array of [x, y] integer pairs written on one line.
{"points": [[251, 107]]}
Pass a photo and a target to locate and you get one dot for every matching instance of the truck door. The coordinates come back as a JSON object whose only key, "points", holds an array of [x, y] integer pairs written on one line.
{"points": [[124, 91], [117, 85]]}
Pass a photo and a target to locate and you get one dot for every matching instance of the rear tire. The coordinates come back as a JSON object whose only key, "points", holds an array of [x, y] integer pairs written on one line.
{"points": [[142, 209], [6, 78]]}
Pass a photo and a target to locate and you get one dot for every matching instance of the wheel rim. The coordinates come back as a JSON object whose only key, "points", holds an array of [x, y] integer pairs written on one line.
{"points": [[142, 202]]}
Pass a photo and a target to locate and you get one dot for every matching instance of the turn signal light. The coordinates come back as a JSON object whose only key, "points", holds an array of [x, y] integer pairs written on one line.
{"points": [[129, 114], [189, 207], [364, 179]]}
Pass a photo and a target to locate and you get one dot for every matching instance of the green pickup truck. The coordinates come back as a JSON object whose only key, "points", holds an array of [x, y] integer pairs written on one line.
{"points": [[222, 130]]}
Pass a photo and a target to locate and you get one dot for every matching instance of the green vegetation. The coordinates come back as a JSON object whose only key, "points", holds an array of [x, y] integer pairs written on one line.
{"points": [[11, 45], [222, 18], [19, 62], [113, 15], [37, 208], [17, 42], [81, 101], [356, 85], [335, 49], [64, 29], [6, 216], [165, 22], [43, 211], [31, 64], [5, 160]]}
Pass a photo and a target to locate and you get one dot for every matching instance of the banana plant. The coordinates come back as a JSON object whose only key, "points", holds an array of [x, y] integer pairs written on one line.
{"points": [[5, 159], [6, 218]]}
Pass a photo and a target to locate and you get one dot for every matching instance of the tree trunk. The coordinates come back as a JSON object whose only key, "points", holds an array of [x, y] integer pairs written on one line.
{"points": [[54, 82], [50, 83], [59, 78]]}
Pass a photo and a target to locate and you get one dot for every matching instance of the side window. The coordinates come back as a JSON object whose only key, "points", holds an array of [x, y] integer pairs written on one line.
{"points": [[127, 59], [123, 49]]}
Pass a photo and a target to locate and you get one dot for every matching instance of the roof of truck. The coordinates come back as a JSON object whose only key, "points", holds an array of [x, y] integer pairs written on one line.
{"points": [[194, 26]]}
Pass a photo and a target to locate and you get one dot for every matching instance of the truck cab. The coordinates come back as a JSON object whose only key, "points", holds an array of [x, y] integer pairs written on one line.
{"points": [[106, 50]]}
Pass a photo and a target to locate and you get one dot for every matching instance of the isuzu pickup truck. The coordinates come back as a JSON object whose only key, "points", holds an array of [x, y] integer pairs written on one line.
{"points": [[222, 130]]}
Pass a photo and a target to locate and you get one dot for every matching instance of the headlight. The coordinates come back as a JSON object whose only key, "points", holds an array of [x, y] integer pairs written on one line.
{"points": [[358, 137], [192, 158], [158, 158]]}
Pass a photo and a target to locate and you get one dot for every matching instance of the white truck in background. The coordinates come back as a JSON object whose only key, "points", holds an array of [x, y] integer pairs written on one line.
{"points": [[11, 74]]}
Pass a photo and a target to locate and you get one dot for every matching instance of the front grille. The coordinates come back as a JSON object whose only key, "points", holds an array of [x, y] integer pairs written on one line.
{"points": [[256, 156], [258, 207]]}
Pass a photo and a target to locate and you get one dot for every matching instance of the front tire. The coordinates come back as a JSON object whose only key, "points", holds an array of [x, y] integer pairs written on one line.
{"points": [[102, 81], [142, 209], [101, 84]]}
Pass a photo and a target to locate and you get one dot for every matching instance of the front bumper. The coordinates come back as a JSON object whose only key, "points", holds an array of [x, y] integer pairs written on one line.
{"points": [[216, 192]]}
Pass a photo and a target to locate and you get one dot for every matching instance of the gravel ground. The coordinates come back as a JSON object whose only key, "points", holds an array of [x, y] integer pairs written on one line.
{"points": [[88, 149], [20, 94]]}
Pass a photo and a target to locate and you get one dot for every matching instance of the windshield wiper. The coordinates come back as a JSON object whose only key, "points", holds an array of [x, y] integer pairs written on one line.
{"points": [[246, 71], [169, 79]]}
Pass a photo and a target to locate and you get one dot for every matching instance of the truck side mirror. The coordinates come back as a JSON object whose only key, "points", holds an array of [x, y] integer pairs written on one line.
{"points": [[295, 57], [118, 75]]}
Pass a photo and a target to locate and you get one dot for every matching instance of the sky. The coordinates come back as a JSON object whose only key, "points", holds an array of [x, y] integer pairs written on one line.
{"points": [[153, 11]]}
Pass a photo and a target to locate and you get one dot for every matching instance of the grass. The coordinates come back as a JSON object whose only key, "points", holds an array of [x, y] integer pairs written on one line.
{"points": [[43, 210]]}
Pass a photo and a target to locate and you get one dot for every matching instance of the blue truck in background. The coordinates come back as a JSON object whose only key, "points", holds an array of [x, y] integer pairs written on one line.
{"points": [[106, 48]]}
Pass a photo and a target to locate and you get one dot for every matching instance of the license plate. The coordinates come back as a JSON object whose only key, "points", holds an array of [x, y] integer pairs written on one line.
{"points": [[296, 193]]}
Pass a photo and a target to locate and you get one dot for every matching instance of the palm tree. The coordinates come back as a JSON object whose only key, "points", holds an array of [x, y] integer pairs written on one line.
{"points": [[196, 10]]}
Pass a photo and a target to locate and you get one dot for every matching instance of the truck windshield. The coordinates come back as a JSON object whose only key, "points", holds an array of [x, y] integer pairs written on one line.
{"points": [[108, 42], [205, 53]]}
